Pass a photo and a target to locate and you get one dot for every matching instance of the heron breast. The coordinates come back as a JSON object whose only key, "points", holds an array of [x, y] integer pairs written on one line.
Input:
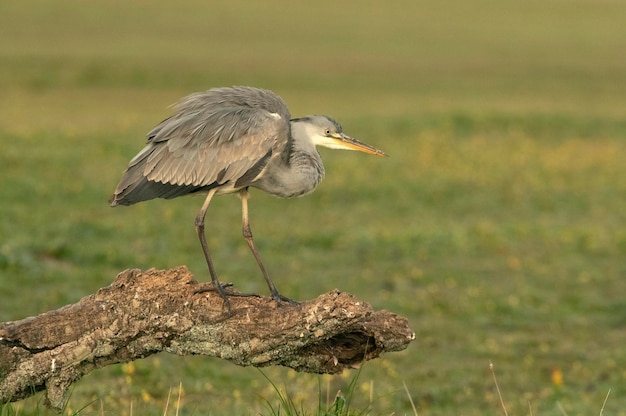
{"points": [[299, 178]]}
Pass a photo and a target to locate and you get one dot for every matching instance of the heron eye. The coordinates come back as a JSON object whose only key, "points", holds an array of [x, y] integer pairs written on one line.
{"points": [[327, 132]]}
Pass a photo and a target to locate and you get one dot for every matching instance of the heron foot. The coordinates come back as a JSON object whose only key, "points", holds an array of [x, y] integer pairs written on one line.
{"points": [[279, 299], [213, 289], [224, 292]]}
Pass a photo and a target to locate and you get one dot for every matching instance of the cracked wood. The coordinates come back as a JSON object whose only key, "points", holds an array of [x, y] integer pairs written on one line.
{"points": [[147, 312]]}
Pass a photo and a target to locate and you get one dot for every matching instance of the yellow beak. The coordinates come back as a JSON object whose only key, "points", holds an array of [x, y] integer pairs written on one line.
{"points": [[346, 142]]}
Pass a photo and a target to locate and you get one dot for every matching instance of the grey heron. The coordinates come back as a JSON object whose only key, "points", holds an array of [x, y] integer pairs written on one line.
{"points": [[226, 140]]}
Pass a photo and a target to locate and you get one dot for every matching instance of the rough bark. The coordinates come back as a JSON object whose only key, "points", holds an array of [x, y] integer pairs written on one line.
{"points": [[143, 313]]}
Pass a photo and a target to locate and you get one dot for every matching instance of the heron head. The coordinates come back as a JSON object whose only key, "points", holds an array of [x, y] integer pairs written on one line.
{"points": [[327, 132]]}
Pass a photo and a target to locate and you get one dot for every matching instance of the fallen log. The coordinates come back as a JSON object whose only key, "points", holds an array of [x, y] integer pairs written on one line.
{"points": [[147, 312]]}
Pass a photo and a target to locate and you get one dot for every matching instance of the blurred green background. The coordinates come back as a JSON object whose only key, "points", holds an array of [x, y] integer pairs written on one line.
{"points": [[498, 224]]}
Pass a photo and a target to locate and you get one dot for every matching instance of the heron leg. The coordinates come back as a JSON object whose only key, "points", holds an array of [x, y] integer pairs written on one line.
{"points": [[247, 234], [216, 285], [199, 223]]}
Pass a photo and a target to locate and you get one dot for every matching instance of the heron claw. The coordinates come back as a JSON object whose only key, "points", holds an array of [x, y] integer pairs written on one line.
{"points": [[279, 299], [213, 289], [225, 292]]}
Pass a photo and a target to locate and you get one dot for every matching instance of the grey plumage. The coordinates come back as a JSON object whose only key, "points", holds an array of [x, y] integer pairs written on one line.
{"points": [[215, 138], [226, 140]]}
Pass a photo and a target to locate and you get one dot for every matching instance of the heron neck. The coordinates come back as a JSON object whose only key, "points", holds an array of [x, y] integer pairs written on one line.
{"points": [[299, 174], [305, 161]]}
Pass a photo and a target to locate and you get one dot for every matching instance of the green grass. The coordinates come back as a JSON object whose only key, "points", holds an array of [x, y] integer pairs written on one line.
{"points": [[498, 224]]}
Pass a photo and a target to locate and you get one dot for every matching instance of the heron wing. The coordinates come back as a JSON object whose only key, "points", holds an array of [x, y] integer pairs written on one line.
{"points": [[223, 136]]}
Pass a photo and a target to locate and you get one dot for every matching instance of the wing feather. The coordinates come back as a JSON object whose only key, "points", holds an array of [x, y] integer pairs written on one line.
{"points": [[221, 136]]}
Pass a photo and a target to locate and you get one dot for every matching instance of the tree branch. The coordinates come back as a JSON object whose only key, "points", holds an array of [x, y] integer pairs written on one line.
{"points": [[143, 313]]}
